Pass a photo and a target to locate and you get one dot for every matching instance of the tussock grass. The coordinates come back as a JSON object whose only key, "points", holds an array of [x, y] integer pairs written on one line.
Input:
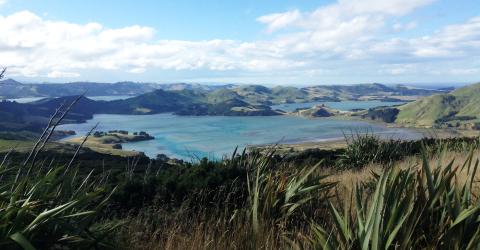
{"points": [[430, 207], [366, 148], [46, 206]]}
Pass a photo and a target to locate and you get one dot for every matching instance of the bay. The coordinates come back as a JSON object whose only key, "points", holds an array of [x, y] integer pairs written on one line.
{"points": [[192, 137]]}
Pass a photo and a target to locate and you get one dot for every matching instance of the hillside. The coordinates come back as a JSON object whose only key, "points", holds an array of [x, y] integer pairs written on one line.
{"points": [[10, 88], [459, 109], [374, 91]]}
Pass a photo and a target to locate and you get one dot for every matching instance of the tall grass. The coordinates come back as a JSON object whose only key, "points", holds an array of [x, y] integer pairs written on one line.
{"points": [[409, 209], [365, 148], [279, 200], [432, 206], [278, 194], [45, 206], [51, 208]]}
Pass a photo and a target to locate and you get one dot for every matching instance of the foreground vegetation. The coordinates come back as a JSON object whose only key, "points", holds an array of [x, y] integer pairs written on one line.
{"points": [[424, 201]]}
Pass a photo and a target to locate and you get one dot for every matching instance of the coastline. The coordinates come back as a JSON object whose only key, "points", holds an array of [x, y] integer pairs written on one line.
{"points": [[110, 142]]}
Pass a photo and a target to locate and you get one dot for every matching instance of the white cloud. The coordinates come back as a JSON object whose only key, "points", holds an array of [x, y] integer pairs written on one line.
{"points": [[60, 74], [33, 46], [343, 28], [333, 15], [457, 41], [468, 71], [2, 2], [137, 70], [329, 40], [390, 7], [404, 26], [279, 20]]}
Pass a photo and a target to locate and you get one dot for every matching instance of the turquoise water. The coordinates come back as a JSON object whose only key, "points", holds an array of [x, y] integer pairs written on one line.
{"points": [[345, 105], [188, 137]]}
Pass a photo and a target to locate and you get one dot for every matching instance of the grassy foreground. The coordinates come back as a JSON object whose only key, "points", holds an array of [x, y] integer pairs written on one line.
{"points": [[373, 194], [419, 202]]}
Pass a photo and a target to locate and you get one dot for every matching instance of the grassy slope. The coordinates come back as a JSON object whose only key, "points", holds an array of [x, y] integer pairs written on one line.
{"points": [[425, 112], [7, 145], [471, 96], [25, 146]]}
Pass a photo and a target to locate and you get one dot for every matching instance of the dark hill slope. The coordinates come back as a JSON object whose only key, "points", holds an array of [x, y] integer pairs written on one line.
{"points": [[158, 101]]}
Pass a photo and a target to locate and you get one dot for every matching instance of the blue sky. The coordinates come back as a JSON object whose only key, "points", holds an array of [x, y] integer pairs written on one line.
{"points": [[267, 42]]}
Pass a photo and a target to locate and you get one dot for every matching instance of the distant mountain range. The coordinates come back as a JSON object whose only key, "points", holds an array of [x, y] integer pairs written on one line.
{"points": [[253, 94], [11, 89]]}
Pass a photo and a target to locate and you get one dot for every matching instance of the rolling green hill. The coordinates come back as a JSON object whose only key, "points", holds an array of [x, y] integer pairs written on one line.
{"points": [[460, 108]]}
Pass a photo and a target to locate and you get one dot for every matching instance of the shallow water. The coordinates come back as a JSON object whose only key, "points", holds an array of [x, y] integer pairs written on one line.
{"points": [[188, 137]]}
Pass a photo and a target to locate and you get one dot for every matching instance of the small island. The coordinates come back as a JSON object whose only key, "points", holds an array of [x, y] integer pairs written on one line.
{"points": [[111, 141], [321, 110]]}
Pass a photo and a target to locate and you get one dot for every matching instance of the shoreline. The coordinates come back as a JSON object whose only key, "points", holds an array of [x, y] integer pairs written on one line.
{"points": [[110, 142]]}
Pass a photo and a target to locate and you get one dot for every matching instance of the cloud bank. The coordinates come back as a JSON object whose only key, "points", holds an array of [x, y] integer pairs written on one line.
{"points": [[331, 40]]}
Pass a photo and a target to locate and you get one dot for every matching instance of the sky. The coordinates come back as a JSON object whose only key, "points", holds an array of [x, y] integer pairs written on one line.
{"points": [[263, 41]]}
